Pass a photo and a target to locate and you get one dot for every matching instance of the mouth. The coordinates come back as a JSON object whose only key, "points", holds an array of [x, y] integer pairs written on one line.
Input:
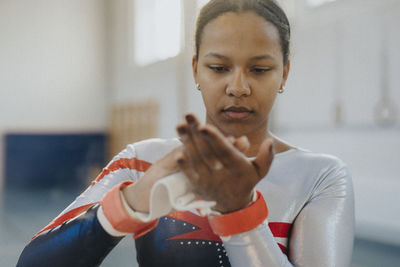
{"points": [[237, 112]]}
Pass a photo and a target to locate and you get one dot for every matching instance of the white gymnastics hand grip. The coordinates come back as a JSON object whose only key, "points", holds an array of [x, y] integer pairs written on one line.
{"points": [[172, 193]]}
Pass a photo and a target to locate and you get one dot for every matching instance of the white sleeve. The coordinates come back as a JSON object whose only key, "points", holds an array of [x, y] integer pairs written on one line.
{"points": [[322, 233], [121, 168]]}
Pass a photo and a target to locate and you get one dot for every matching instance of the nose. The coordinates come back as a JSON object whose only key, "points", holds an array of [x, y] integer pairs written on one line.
{"points": [[238, 85]]}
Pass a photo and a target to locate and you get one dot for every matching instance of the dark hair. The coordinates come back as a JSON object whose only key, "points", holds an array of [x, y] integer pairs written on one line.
{"points": [[268, 9]]}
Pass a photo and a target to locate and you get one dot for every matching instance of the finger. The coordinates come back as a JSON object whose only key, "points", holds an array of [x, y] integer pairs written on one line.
{"points": [[192, 120], [184, 133], [205, 152], [231, 139], [194, 175], [222, 148], [186, 167], [264, 158], [168, 162], [242, 144], [193, 155]]}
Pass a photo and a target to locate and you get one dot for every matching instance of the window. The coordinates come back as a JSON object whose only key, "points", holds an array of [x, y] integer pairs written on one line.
{"points": [[157, 30]]}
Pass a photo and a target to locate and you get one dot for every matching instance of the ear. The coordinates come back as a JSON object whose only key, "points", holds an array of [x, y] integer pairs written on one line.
{"points": [[194, 68], [286, 70]]}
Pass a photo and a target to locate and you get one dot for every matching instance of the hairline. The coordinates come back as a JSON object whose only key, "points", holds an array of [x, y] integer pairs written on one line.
{"points": [[239, 10]]}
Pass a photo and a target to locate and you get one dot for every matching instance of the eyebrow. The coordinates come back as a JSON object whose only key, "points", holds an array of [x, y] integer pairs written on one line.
{"points": [[266, 56], [255, 58], [212, 54]]}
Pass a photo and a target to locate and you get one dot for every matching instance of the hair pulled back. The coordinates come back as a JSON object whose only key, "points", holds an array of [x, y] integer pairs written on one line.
{"points": [[268, 9]]}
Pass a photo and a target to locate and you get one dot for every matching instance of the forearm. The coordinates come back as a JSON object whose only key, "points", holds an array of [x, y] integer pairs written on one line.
{"points": [[84, 241], [254, 248], [79, 242], [247, 237]]}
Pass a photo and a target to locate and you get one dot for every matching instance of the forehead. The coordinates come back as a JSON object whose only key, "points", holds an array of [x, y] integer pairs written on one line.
{"points": [[243, 33]]}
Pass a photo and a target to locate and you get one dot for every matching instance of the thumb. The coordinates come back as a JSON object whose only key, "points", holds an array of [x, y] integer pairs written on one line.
{"points": [[264, 157]]}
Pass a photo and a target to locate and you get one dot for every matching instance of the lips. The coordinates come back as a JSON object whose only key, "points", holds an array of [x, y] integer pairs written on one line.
{"points": [[237, 112]]}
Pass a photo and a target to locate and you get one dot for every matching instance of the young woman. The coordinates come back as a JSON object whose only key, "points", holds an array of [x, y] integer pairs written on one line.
{"points": [[276, 205]]}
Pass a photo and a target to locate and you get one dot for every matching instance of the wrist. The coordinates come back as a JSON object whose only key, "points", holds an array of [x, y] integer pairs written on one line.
{"points": [[242, 220], [119, 217], [229, 206], [137, 197]]}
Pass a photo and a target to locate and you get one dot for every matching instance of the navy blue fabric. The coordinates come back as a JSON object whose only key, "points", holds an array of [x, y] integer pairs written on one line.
{"points": [[81, 242], [158, 249]]}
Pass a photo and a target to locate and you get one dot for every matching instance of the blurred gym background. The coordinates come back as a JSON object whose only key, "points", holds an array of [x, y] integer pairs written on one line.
{"points": [[80, 79]]}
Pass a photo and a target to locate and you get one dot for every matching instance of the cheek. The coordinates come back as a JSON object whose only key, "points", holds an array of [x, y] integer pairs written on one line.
{"points": [[209, 99], [265, 102], [265, 96], [269, 86], [211, 90], [211, 83]]}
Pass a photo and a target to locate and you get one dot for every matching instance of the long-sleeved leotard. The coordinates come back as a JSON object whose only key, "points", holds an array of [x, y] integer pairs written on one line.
{"points": [[310, 221]]}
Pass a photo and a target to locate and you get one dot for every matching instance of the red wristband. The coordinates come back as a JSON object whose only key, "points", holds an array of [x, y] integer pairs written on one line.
{"points": [[242, 220], [119, 218]]}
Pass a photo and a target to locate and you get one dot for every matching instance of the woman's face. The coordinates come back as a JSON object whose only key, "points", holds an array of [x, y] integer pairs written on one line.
{"points": [[239, 70]]}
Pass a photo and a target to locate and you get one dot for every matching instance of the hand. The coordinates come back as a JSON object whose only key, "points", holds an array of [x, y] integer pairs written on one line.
{"points": [[138, 194], [218, 170]]}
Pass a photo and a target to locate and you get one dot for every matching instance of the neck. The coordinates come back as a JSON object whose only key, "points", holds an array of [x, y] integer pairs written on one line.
{"points": [[256, 138]]}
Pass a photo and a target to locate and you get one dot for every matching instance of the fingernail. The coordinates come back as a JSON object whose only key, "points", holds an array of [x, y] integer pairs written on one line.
{"points": [[189, 119], [181, 130], [204, 132]]}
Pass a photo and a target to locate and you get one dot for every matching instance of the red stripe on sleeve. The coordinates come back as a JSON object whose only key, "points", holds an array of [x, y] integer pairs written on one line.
{"points": [[280, 229], [124, 163], [204, 231], [283, 248], [65, 217]]}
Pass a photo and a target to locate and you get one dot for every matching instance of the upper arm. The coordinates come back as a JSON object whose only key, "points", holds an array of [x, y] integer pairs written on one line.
{"points": [[323, 231]]}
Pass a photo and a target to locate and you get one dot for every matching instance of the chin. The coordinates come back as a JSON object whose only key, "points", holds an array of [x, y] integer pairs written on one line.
{"points": [[242, 127], [230, 127], [235, 129]]}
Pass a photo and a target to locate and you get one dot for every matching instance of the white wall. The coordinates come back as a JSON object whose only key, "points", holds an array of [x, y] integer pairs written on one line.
{"points": [[170, 82], [52, 66], [131, 83], [338, 48], [337, 51]]}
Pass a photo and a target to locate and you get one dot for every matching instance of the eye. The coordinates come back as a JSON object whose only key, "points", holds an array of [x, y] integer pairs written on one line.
{"points": [[218, 69], [260, 70]]}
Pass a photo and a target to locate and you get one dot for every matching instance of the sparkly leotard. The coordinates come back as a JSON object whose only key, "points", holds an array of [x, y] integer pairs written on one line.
{"points": [[310, 221]]}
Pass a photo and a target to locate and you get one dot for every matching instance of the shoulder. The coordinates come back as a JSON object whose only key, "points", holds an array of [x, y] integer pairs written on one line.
{"points": [[329, 172], [302, 158], [319, 161], [316, 170]]}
